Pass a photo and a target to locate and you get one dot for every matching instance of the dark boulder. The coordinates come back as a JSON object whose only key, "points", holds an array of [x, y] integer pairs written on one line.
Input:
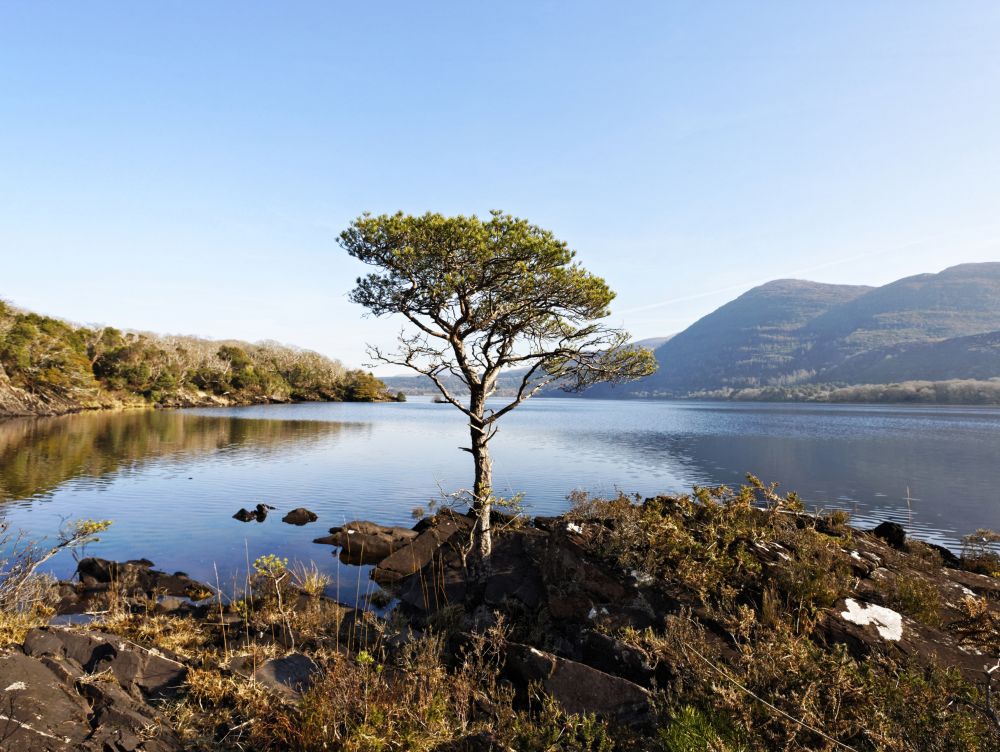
{"points": [[513, 572], [948, 559], [124, 723], [104, 570], [576, 687], [892, 533], [288, 677], [612, 656], [300, 516], [442, 583], [50, 703]]}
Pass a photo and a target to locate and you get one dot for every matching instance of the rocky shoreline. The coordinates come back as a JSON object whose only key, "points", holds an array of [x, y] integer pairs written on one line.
{"points": [[34, 408], [632, 626]]}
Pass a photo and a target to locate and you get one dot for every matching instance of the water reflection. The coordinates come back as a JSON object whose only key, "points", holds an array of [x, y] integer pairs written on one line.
{"points": [[171, 481], [39, 454]]}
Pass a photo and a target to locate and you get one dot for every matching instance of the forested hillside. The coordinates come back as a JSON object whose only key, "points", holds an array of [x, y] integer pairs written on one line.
{"points": [[50, 366]]}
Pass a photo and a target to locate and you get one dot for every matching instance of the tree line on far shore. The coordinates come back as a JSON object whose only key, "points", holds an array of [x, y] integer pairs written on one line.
{"points": [[951, 392], [53, 359]]}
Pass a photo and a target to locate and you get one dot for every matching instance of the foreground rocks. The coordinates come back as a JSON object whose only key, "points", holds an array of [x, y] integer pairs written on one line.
{"points": [[563, 615], [549, 573], [86, 691]]}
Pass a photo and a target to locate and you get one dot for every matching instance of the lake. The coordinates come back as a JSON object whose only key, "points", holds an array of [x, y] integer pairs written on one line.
{"points": [[171, 480]]}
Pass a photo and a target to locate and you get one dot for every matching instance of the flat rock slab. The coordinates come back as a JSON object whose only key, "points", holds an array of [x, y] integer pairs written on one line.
{"points": [[38, 711], [578, 688], [866, 629], [419, 552], [289, 677], [134, 666], [123, 723]]}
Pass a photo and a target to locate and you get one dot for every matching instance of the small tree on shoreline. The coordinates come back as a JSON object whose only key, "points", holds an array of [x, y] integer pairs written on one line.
{"points": [[485, 296]]}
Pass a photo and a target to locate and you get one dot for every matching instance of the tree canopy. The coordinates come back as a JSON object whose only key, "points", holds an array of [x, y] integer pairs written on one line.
{"points": [[485, 295], [482, 296]]}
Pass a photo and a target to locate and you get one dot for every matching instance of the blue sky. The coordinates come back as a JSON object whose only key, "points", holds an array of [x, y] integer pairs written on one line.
{"points": [[186, 167]]}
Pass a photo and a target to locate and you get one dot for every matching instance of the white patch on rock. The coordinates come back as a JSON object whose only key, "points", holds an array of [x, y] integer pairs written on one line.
{"points": [[888, 622], [642, 577], [855, 555], [574, 528], [16, 686], [594, 613]]}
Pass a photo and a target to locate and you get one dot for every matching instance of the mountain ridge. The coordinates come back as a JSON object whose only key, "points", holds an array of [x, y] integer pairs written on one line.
{"points": [[790, 332]]}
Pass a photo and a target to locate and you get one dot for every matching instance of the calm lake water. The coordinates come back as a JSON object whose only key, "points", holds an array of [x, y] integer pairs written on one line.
{"points": [[171, 480]]}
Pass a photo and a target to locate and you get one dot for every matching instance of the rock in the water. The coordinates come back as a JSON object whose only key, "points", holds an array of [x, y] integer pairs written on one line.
{"points": [[134, 666], [137, 578], [290, 677], [892, 533], [258, 514], [300, 516], [366, 542]]}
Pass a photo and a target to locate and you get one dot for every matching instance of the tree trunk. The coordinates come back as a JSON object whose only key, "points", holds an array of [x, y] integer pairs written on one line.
{"points": [[483, 488]]}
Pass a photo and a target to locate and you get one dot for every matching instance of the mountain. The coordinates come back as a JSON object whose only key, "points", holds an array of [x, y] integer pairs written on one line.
{"points": [[790, 332], [960, 301]]}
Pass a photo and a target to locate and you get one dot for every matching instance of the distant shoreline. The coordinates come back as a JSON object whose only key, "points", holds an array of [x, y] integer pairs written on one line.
{"points": [[128, 407]]}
